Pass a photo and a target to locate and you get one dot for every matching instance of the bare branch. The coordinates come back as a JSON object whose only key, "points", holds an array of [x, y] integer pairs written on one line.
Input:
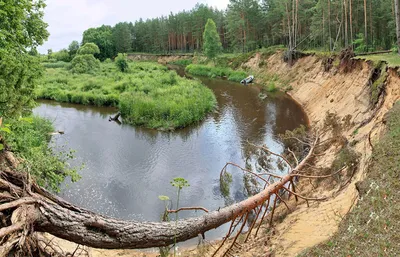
{"points": [[248, 171], [300, 141], [303, 197], [294, 156], [273, 153], [325, 176], [283, 201], [188, 209]]}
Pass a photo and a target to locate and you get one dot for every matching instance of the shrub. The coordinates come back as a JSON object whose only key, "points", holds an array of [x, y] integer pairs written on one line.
{"points": [[89, 48], [85, 64], [108, 60], [62, 56], [121, 62]]}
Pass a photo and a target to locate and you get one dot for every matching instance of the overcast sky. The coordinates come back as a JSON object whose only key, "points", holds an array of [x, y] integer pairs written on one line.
{"points": [[68, 19]]}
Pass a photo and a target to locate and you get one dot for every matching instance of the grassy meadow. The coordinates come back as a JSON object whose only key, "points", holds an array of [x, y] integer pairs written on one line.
{"points": [[147, 95]]}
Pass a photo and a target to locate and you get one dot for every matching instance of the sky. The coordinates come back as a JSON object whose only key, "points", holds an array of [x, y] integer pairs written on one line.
{"points": [[68, 19]]}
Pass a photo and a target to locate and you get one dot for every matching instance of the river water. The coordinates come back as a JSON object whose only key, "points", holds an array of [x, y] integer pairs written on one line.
{"points": [[127, 168]]}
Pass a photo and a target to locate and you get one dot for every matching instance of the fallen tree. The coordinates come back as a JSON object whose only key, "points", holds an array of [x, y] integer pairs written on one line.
{"points": [[27, 208]]}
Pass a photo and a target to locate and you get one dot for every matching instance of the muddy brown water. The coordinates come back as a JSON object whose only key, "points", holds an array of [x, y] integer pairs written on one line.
{"points": [[127, 168]]}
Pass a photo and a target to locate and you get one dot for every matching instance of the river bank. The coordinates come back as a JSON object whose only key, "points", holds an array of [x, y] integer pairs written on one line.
{"points": [[347, 94]]}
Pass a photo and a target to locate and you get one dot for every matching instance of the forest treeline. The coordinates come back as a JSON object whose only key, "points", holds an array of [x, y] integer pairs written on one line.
{"points": [[247, 25]]}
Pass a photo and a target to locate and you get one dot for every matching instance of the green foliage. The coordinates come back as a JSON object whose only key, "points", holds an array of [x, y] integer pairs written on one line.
{"points": [[121, 62], [372, 228], [213, 72], [88, 48], [359, 43], [21, 28], [84, 63], [179, 183], [102, 37], [73, 48], [29, 138], [62, 56], [379, 84], [55, 65], [121, 34], [225, 184], [272, 87], [148, 95], [19, 73], [108, 60], [212, 43], [184, 62]]}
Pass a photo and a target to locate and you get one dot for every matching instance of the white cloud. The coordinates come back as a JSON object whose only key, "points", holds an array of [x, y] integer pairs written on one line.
{"points": [[68, 19]]}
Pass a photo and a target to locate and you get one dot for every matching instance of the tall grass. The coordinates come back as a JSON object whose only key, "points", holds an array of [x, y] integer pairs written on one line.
{"points": [[148, 94], [213, 72]]}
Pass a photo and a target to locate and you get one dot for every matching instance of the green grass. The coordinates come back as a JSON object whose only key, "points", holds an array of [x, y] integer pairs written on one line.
{"points": [[148, 95], [184, 62], [392, 59], [214, 72], [372, 228], [55, 65]]}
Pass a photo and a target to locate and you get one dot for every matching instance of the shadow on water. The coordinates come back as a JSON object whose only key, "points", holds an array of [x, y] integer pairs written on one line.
{"points": [[127, 168]]}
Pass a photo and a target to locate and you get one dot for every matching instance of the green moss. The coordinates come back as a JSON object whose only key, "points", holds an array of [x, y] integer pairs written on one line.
{"points": [[378, 84]]}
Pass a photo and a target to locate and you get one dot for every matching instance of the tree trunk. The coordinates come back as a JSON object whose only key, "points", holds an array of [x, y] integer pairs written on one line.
{"points": [[351, 23], [366, 22], [397, 11], [44, 212], [346, 37]]}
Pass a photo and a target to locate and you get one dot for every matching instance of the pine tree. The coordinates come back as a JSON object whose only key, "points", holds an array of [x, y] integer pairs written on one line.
{"points": [[212, 43]]}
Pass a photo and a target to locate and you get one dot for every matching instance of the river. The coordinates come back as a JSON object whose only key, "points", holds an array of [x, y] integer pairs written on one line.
{"points": [[127, 168]]}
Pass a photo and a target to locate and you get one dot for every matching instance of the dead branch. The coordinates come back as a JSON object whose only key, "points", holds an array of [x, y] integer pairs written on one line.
{"points": [[188, 209], [303, 197], [324, 176], [294, 156], [244, 170], [273, 153]]}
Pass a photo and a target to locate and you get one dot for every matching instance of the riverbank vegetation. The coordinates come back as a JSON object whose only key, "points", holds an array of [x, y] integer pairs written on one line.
{"points": [[213, 72], [148, 94], [372, 227], [29, 139]]}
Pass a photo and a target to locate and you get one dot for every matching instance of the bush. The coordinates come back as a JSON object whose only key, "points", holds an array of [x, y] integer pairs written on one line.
{"points": [[121, 62], [84, 64], [62, 56], [29, 138], [88, 48], [108, 60]]}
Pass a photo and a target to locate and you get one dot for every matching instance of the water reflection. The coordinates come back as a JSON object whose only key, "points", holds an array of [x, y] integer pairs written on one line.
{"points": [[127, 168]]}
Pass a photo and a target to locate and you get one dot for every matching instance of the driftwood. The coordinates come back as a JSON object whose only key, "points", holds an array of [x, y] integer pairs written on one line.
{"points": [[372, 53], [27, 209]]}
